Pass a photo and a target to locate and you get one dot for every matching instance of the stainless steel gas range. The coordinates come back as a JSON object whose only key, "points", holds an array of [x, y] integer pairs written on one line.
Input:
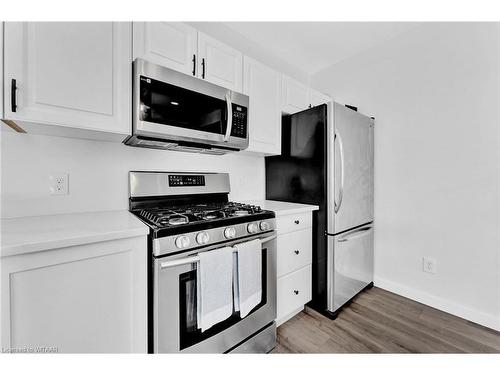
{"points": [[189, 213]]}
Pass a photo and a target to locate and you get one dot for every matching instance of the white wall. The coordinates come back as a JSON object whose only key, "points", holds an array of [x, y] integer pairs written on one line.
{"points": [[435, 94], [98, 173]]}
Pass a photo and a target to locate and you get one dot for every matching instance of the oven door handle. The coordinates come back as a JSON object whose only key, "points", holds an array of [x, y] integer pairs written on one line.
{"points": [[195, 258], [229, 124]]}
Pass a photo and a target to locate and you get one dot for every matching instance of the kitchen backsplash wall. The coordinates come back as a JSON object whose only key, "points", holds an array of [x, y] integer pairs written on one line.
{"points": [[98, 173]]}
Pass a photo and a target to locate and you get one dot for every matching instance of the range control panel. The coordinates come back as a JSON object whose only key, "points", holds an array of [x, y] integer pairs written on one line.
{"points": [[183, 180]]}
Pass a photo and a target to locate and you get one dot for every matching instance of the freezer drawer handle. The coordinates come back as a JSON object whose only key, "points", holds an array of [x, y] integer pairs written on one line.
{"points": [[355, 234], [296, 292], [297, 252]]}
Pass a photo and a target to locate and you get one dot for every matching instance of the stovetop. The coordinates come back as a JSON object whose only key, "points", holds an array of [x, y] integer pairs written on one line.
{"points": [[169, 220]]}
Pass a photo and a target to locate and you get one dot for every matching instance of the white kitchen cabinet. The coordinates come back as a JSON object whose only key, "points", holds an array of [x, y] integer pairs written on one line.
{"points": [[219, 63], [317, 98], [294, 291], [70, 78], [295, 250], [263, 86], [294, 259], [170, 44], [294, 227], [295, 96], [89, 298]]}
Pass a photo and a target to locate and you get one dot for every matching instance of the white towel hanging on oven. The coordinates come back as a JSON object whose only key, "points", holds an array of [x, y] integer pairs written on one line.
{"points": [[214, 287], [248, 291]]}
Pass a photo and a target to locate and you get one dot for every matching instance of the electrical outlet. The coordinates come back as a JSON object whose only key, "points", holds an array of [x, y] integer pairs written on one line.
{"points": [[429, 265], [59, 184]]}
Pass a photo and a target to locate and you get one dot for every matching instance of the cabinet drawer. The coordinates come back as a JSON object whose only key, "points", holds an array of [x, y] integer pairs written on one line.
{"points": [[295, 222], [294, 291], [294, 251]]}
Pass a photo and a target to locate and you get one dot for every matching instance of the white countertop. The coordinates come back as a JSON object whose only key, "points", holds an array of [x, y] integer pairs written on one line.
{"points": [[38, 233], [284, 208]]}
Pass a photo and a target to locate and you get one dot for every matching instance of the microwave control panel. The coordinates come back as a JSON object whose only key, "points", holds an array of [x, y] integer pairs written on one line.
{"points": [[240, 120]]}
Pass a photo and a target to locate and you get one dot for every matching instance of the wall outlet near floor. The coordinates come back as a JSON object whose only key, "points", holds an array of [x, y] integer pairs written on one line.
{"points": [[59, 184], [429, 265]]}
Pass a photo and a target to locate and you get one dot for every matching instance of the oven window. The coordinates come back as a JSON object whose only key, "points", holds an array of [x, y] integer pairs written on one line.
{"points": [[162, 103], [189, 332]]}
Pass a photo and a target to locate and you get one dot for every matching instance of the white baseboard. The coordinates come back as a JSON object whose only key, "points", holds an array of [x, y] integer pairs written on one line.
{"points": [[487, 320]]}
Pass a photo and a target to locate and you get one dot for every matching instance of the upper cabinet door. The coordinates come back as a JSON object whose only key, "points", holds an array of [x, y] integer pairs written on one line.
{"points": [[263, 86], [220, 64], [69, 74], [317, 98], [170, 44], [295, 95]]}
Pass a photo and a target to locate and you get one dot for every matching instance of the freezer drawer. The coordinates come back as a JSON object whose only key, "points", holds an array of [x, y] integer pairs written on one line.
{"points": [[352, 267]]}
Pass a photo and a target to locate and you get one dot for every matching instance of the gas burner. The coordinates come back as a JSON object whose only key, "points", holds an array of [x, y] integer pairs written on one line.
{"points": [[177, 220], [178, 215], [210, 215]]}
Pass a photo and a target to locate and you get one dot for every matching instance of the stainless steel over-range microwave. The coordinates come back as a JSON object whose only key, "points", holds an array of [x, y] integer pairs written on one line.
{"points": [[174, 111]]}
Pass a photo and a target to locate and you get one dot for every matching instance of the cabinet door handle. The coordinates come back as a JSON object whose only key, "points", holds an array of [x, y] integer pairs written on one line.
{"points": [[13, 96], [297, 222], [203, 68], [296, 292], [297, 252], [194, 64]]}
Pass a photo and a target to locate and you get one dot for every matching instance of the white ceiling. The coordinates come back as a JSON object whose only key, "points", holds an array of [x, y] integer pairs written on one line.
{"points": [[312, 46]]}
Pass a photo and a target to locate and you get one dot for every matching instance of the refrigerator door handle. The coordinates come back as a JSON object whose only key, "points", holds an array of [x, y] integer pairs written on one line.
{"points": [[338, 203], [355, 234]]}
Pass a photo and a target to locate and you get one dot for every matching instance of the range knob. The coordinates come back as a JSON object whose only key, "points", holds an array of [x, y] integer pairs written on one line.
{"points": [[182, 242], [264, 225], [230, 232], [202, 238], [252, 228]]}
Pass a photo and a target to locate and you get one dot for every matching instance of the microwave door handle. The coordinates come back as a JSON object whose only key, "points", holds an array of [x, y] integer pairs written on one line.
{"points": [[229, 117]]}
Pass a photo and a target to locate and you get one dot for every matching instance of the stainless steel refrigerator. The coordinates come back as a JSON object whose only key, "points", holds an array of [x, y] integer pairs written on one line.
{"points": [[327, 160]]}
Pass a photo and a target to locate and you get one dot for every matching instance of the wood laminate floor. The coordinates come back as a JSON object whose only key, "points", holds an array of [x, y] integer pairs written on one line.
{"points": [[378, 321]]}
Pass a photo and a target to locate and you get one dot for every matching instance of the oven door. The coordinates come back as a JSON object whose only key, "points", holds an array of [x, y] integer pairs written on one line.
{"points": [[175, 107], [175, 310]]}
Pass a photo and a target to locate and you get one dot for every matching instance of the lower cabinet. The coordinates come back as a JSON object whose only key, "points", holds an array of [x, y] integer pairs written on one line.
{"points": [[294, 291], [81, 299], [294, 259]]}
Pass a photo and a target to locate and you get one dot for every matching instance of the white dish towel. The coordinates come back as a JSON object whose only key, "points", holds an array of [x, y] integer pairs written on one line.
{"points": [[248, 282], [214, 287]]}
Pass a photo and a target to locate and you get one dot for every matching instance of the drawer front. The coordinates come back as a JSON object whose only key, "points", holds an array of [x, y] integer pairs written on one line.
{"points": [[292, 223], [294, 291], [294, 251]]}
